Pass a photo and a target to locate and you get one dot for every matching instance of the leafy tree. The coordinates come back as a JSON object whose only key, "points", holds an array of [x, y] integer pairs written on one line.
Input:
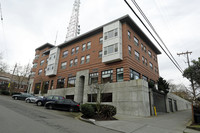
{"points": [[193, 74], [163, 85], [193, 71]]}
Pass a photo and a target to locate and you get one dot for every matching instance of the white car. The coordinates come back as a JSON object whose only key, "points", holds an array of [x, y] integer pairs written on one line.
{"points": [[32, 99]]}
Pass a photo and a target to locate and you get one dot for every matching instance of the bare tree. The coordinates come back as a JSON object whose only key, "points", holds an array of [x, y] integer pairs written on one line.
{"points": [[3, 65], [98, 89], [22, 73], [180, 90]]}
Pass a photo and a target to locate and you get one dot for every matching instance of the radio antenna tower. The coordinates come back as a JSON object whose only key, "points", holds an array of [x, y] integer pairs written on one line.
{"points": [[73, 29]]}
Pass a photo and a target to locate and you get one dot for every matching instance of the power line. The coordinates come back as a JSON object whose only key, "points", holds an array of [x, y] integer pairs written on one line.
{"points": [[177, 66], [140, 10]]}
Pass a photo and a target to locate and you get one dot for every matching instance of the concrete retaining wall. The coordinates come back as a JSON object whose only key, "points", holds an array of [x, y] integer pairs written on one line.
{"points": [[182, 104]]}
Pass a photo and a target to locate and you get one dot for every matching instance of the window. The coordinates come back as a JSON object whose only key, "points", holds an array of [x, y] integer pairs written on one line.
{"points": [[107, 76], [65, 53], [116, 47], [50, 67], [154, 57], [71, 82], [32, 74], [69, 97], [83, 47], [149, 52], [111, 49], [105, 51], [77, 48], [87, 58], [93, 78], [36, 56], [92, 97], [71, 63], [41, 62], [129, 35], [51, 84], [52, 56], [82, 59], [40, 72], [156, 70], [106, 97], [34, 65], [145, 78], [151, 65], [136, 41], [45, 70], [142, 46], [63, 65], [143, 59], [129, 49], [100, 54], [110, 34], [88, 45], [61, 83], [120, 74], [137, 55], [37, 88], [73, 50], [134, 75], [145, 49], [75, 61], [46, 86], [101, 40]]}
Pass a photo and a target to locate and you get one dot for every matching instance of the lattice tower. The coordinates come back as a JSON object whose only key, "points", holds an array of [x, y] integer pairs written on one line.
{"points": [[74, 29]]}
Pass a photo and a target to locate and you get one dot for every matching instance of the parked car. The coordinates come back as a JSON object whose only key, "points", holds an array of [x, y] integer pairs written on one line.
{"points": [[32, 99], [21, 96], [42, 101], [64, 104]]}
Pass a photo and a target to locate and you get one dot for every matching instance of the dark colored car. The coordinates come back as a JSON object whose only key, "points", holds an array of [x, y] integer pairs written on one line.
{"points": [[42, 101], [65, 104], [21, 96]]}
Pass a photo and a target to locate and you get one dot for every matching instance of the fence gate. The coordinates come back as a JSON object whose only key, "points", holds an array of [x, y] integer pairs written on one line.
{"points": [[159, 102]]}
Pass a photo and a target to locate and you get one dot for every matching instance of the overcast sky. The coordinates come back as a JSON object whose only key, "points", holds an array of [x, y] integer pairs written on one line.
{"points": [[28, 24]]}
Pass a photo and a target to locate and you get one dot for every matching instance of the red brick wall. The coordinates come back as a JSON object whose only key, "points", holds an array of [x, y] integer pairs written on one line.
{"points": [[129, 61]]}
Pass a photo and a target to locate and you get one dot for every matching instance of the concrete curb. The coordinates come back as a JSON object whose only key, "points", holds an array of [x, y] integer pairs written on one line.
{"points": [[92, 121]]}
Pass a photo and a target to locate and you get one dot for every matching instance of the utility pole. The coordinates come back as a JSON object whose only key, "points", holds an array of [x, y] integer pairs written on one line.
{"points": [[11, 81], [192, 82]]}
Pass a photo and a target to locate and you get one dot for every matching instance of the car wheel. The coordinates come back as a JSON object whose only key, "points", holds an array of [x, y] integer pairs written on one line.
{"points": [[15, 98], [39, 103], [28, 101], [71, 109], [50, 107]]}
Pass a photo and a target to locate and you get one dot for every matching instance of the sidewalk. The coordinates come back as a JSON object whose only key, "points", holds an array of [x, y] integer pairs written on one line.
{"points": [[166, 123]]}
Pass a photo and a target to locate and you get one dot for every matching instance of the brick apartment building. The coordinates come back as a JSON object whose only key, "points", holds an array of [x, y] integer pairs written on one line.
{"points": [[19, 85], [118, 52]]}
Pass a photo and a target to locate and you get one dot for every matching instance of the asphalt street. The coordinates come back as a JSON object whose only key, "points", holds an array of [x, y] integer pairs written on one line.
{"points": [[19, 117]]}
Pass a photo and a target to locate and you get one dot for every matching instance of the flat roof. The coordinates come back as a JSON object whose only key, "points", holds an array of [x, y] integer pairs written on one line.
{"points": [[44, 46], [122, 19]]}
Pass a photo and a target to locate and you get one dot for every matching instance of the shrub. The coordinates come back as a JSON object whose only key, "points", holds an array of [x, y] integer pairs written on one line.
{"points": [[108, 111], [5, 92], [87, 110]]}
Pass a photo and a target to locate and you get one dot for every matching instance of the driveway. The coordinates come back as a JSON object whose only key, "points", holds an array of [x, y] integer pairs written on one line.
{"points": [[166, 123]]}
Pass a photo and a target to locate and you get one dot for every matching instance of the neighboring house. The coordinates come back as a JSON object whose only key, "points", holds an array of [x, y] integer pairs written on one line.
{"points": [[117, 53], [6, 78]]}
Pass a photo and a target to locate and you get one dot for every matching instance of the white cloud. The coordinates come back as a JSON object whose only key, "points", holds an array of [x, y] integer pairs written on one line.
{"points": [[29, 24]]}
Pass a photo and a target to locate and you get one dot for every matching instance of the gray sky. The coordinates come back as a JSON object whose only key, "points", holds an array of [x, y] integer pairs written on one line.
{"points": [[29, 24]]}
